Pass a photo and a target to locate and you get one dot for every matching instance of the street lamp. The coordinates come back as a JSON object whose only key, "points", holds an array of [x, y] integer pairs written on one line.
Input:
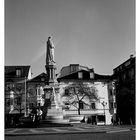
{"points": [[104, 104]]}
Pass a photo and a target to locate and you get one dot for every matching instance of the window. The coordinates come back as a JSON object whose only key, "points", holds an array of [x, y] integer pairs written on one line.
{"points": [[39, 104], [19, 101], [67, 105], [91, 75], [101, 118], [111, 92], [80, 75], [111, 105], [18, 72], [124, 76], [72, 68], [127, 63], [42, 79], [120, 67], [38, 91], [131, 73], [93, 106], [115, 106], [66, 92]]}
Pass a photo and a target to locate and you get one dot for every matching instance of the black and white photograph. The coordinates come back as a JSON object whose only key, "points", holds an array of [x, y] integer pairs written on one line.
{"points": [[69, 70]]}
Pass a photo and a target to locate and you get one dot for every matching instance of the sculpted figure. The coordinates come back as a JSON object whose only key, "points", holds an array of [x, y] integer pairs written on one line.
{"points": [[50, 51]]}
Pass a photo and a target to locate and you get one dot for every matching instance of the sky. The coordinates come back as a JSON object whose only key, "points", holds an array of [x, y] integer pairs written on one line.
{"points": [[99, 34]]}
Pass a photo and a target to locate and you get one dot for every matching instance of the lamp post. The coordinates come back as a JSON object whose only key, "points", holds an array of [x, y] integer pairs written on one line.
{"points": [[12, 100], [104, 104], [25, 99]]}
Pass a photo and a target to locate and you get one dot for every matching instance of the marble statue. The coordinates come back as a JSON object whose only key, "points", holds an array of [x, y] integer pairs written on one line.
{"points": [[50, 51]]}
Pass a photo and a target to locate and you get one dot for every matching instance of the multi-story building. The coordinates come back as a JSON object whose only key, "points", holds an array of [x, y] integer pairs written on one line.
{"points": [[15, 91], [99, 110], [36, 92], [125, 91], [22, 92]]}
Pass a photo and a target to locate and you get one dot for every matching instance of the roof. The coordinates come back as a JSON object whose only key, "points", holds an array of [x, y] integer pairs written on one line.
{"points": [[71, 69], [10, 71], [102, 77], [39, 78], [125, 65], [86, 76]]}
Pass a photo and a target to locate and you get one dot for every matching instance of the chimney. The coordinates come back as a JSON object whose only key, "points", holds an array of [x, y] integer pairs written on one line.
{"points": [[131, 56]]}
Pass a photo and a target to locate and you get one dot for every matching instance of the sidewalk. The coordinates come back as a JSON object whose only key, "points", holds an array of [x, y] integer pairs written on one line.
{"points": [[75, 128]]}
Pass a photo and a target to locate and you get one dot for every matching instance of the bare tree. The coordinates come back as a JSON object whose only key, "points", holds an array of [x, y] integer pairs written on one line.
{"points": [[75, 94]]}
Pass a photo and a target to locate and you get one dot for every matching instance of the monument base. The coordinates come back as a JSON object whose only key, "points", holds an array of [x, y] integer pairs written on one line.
{"points": [[55, 115], [54, 111]]}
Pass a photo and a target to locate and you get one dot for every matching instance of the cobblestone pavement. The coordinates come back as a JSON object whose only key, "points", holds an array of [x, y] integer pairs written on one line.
{"points": [[62, 130]]}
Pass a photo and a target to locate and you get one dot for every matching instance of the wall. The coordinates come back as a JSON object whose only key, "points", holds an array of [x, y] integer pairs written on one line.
{"points": [[102, 92]]}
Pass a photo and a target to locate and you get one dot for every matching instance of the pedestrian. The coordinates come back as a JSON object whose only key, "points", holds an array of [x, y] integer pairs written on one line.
{"points": [[34, 115], [39, 113], [112, 122]]}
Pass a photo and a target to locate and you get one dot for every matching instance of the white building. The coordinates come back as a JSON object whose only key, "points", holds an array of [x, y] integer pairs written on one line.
{"points": [[94, 110]]}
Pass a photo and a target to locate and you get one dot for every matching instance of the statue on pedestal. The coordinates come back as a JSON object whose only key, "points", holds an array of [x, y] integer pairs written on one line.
{"points": [[50, 51], [51, 90]]}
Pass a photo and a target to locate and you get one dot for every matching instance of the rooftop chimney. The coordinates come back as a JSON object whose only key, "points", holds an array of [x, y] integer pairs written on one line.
{"points": [[131, 56]]}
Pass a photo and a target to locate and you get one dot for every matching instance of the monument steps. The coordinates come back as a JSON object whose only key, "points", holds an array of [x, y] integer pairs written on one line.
{"points": [[56, 119], [47, 123]]}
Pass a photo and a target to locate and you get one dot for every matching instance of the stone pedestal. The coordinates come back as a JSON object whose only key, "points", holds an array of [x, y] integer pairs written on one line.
{"points": [[50, 69], [54, 110]]}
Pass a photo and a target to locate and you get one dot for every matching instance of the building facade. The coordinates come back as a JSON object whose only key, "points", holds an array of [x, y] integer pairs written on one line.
{"points": [[22, 93], [99, 111], [125, 91], [16, 78], [36, 91]]}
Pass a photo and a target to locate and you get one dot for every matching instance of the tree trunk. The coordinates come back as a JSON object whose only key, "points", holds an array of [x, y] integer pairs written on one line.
{"points": [[78, 111]]}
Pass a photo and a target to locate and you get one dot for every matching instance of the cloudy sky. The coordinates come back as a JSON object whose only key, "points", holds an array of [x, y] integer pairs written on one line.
{"points": [[99, 34]]}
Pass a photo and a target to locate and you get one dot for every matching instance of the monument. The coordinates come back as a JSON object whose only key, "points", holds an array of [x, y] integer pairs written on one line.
{"points": [[51, 90]]}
